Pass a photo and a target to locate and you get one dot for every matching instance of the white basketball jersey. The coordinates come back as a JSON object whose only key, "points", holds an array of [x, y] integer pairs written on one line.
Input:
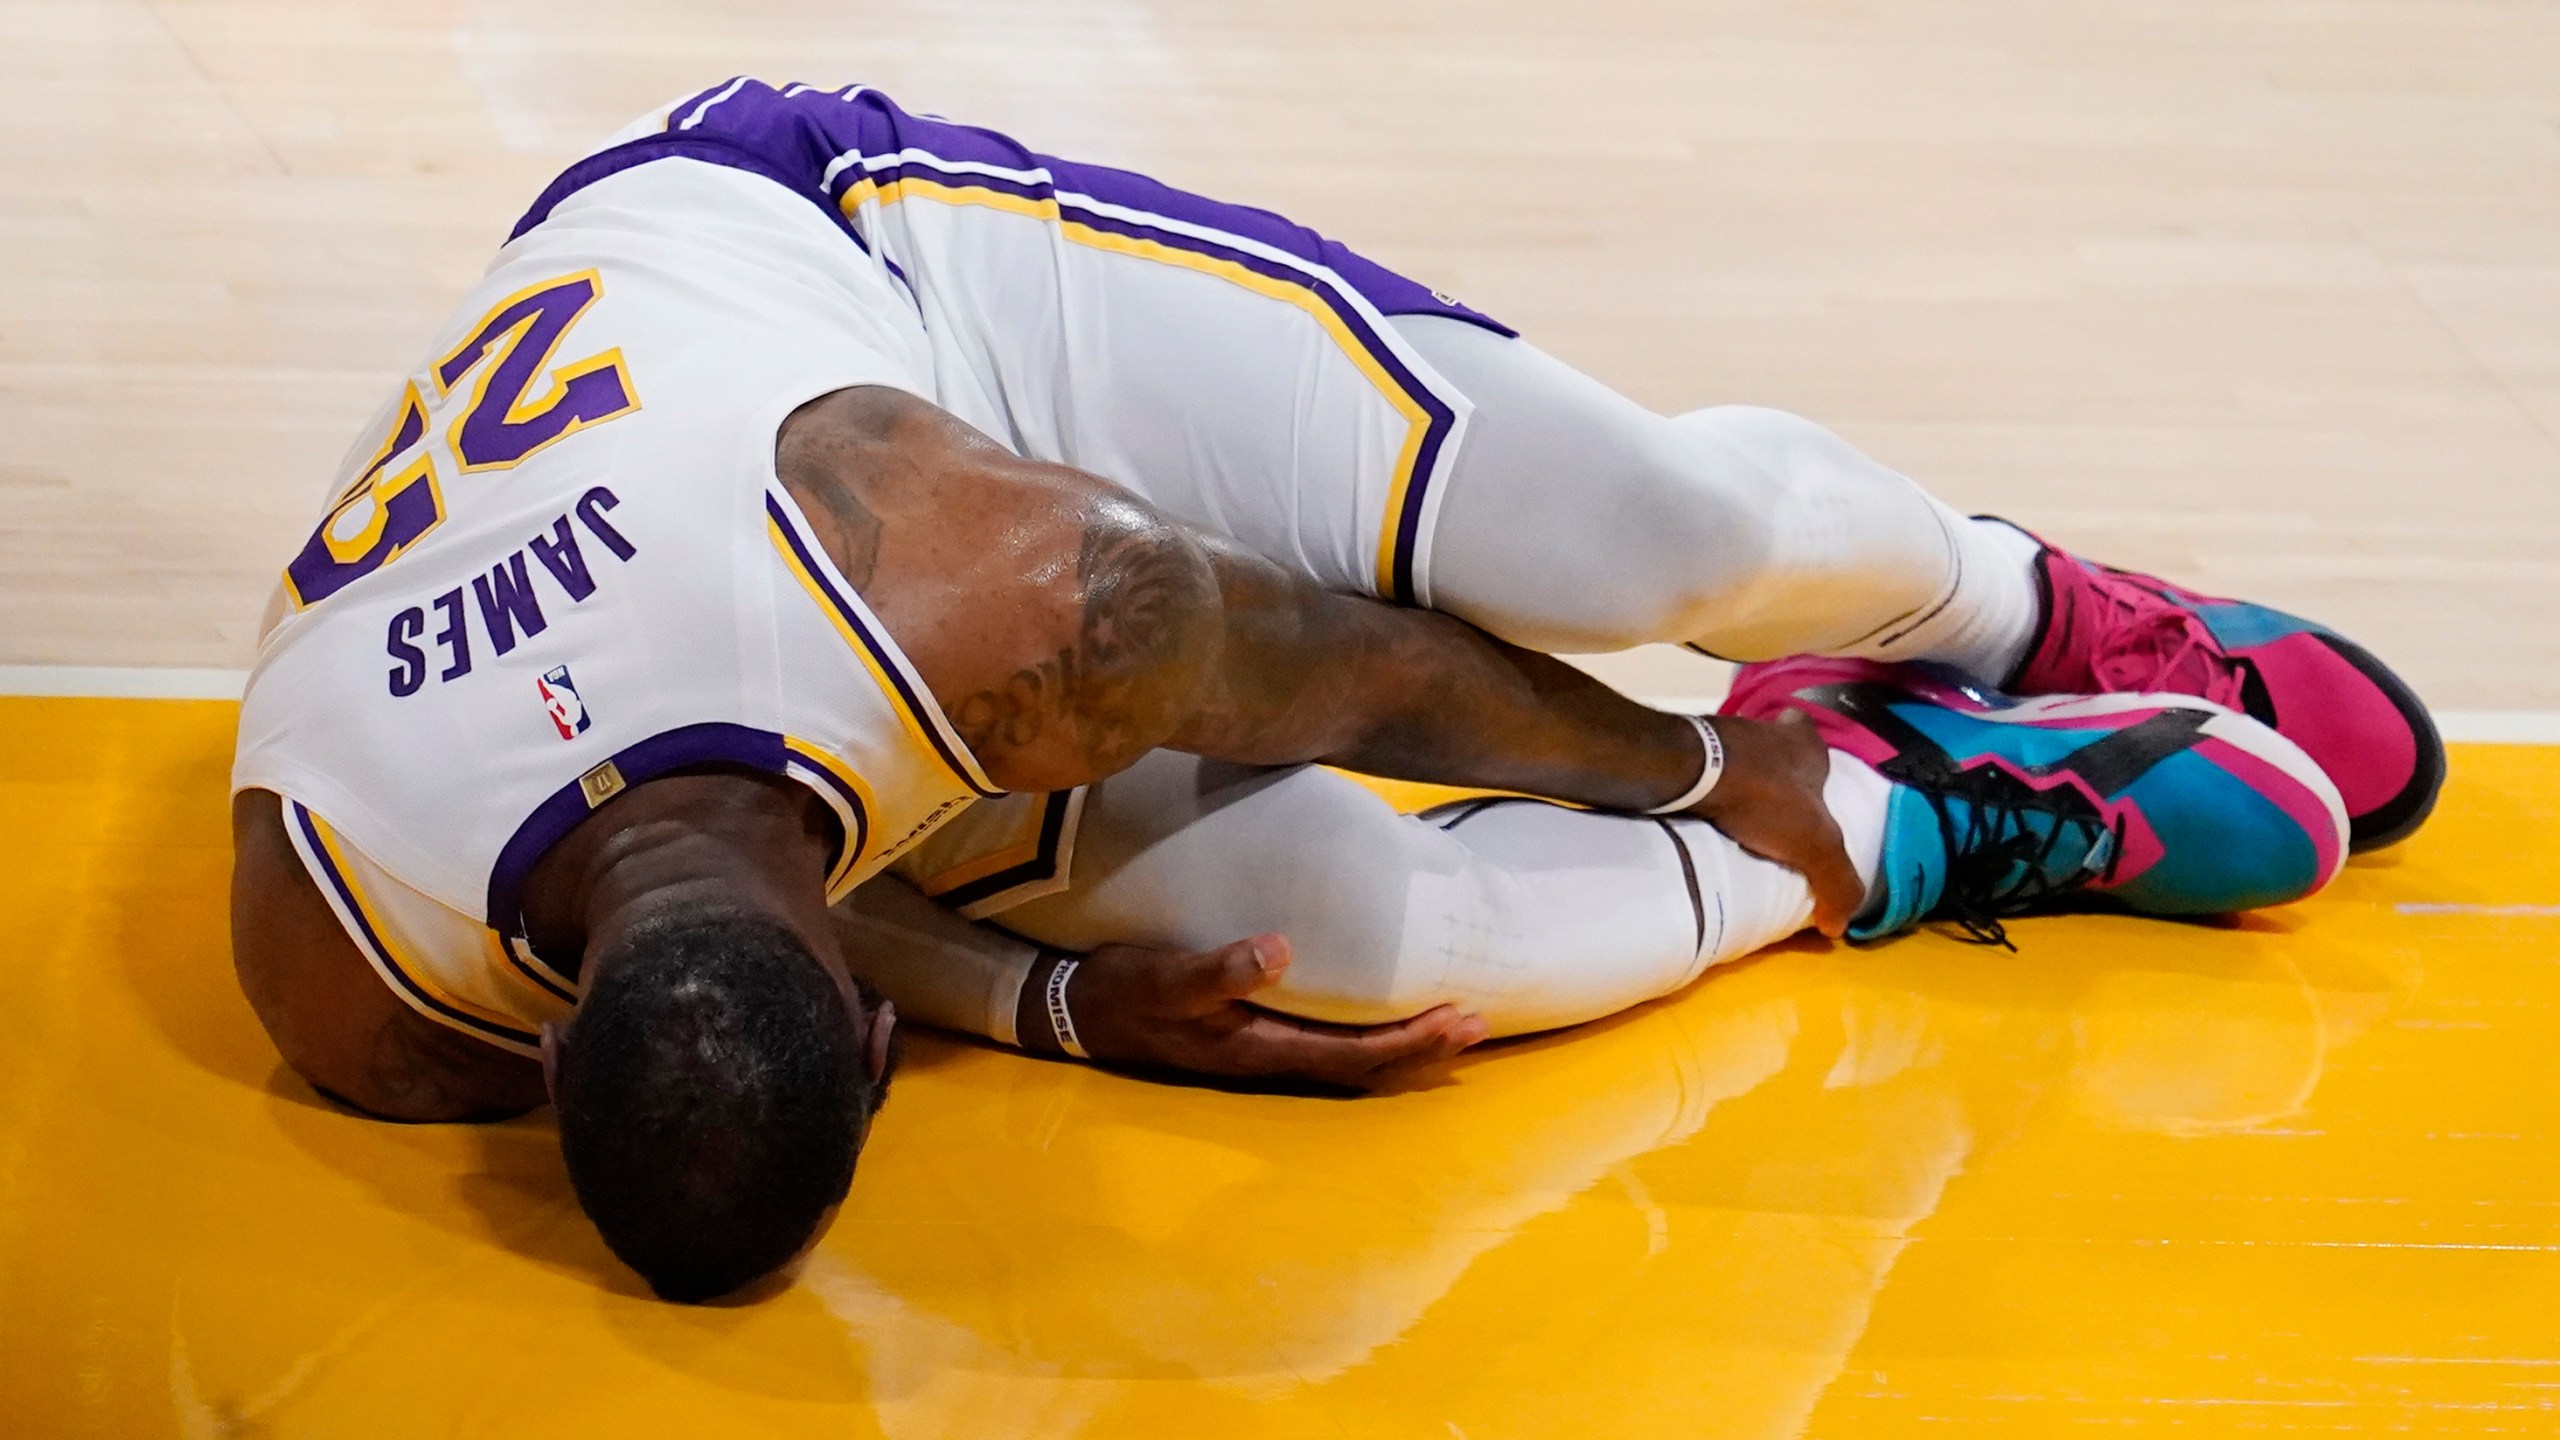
{"points": [[565, 566]]}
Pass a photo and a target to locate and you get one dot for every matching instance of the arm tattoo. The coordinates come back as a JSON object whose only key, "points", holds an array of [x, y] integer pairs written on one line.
{"points": [[419, 1071], [1150, 601], [847, 529], [823, 443]]}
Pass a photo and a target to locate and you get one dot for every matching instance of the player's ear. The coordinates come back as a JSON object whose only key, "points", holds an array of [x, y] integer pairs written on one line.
{"points": [[551, 1061], [884, 1023]]}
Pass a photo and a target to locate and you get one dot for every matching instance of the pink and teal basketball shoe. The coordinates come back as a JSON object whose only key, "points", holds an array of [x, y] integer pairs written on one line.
{"points": [[2159, 804], [2108, 630]]}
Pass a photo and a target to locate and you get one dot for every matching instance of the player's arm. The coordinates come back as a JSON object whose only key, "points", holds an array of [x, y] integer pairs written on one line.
{"points": [[1128, 1005], [1190, 642], [1301, 673], [1068, 628], [1298, 673], [333, 1019]]}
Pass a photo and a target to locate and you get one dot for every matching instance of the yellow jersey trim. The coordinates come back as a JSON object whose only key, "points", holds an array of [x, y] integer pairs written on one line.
{"points": [[407, 978]]}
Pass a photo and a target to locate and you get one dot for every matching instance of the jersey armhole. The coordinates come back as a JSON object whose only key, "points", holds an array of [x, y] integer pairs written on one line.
{"points": [[1004, 853], [356, 891]]}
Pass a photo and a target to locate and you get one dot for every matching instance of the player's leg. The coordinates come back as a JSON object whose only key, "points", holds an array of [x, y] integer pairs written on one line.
{"points": [[1424, 456], [1529, 914], [1576, 519], [1254, 377], [1535, 915]]}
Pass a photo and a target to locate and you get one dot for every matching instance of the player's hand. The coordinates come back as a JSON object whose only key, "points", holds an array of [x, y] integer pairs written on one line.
{"points": [[1161, 1008], [1770, 802]]}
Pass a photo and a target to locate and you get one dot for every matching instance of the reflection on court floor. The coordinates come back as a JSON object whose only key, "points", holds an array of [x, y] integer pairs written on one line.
{"points": [[2287, 1173]]}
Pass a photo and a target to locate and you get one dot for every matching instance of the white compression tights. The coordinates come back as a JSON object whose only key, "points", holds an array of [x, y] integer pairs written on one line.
{"points": [[1577, 520], [1529, 914]]}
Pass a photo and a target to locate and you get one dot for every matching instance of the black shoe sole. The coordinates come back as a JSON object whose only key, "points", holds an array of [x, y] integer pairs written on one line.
{"points": [[2399, 817]]}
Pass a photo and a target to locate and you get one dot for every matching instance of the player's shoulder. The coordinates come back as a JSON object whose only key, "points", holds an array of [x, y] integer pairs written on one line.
{"points": [[1058, 618]]}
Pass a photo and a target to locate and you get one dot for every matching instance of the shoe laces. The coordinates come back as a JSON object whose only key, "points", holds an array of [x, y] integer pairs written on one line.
{"points": [[2001, 860], [2154, 643]]}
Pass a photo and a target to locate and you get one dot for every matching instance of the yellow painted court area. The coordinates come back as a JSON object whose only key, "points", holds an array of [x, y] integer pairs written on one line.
{"points": [[2297, 1173]]}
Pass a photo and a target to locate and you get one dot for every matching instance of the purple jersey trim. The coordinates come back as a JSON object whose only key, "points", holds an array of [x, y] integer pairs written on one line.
{"points": [[861, 836], [712, 742], [520, 955], [1043, 864], [705, 145]]}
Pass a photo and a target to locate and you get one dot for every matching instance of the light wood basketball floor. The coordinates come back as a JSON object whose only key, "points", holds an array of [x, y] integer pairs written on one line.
{"points": [[2264, 294]]}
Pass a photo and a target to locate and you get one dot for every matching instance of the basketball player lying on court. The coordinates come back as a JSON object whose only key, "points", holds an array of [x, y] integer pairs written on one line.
{"points": [[812, 491]]}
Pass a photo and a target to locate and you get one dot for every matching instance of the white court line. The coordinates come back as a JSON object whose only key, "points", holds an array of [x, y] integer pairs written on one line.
{"points": [[122, 683], [2501, 727], [2496, 727]]}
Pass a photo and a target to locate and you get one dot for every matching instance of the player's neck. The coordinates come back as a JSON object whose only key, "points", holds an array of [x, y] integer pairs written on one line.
{"points": [[738, 841]]}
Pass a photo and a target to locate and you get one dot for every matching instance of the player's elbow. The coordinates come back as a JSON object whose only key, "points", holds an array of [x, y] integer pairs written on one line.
{"points": [[375, 1072], [353, 1065]]}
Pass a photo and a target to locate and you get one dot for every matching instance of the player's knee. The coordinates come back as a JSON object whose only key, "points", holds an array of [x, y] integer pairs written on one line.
{"points": [[1690, 532], [1790, 474], [1793, 503]]}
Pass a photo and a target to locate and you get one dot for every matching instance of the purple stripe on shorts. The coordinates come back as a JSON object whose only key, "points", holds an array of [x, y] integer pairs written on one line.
{"points": [[940, 172], [1389, 292]]}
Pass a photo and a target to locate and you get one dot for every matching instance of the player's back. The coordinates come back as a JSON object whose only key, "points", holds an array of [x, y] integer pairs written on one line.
{"points": [[563, 565]]}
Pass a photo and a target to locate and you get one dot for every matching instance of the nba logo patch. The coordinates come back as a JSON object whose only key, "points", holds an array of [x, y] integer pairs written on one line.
{"points": [[560, 697]]}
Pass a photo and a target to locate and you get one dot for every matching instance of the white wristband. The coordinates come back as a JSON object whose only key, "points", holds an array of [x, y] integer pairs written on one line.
{"points": [[1061, 1023], [1710, 768]]}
